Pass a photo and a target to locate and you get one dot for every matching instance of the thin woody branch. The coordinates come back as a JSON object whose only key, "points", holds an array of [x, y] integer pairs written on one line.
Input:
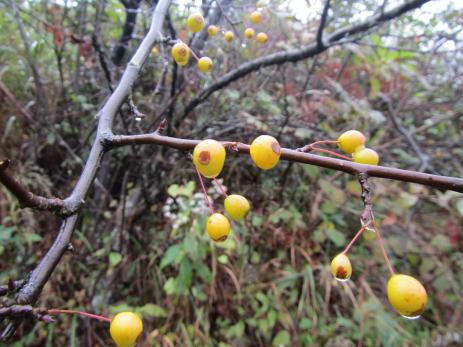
{"points": [[441, 182], [367, 215], [322, 24], [27, 198]]}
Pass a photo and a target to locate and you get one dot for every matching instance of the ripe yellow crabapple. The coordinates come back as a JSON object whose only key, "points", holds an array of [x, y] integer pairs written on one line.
{"points": [[154, 51], [195, 22], [256, 17], [261, 38], [218, 227], [205, 64], [209, 157], [181, 53], [407, 295], [212, 30], [228, 36], [237, 207], [366, 156], [350, 140], [125, 328], [341, 267], [265, 151], [249, 33]]}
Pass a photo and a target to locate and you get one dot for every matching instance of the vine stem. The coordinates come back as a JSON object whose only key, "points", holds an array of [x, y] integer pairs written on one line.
{"points": [[80, 313], [383, 249], [362, 229], [211, 208], [327, 151], [220, 187]]}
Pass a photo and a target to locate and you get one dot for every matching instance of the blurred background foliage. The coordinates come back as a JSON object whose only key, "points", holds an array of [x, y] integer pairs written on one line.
{"points": [[141, 244]]}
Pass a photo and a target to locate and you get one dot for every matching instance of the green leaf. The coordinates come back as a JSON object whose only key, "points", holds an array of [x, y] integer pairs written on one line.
{"points": [[186, 273], [337, 237], [170, 287], [442, 243], [173, 190], [282, 339], [173, 255], [459, 206], [152, 310], [114, 258]]}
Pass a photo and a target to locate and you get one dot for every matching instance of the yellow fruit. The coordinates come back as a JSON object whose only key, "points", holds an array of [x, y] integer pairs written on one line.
{"points": [[209, 157], [237, 207], [366, 156], [341, 267], [212, 30], [125, 328], [265, 151], [218, 227], [195, 22], [256, 17], [261, 38], [350, 140], [249, 33], [407, 295], [229, 36], [205, 64], [181, 53], [154, 51]]}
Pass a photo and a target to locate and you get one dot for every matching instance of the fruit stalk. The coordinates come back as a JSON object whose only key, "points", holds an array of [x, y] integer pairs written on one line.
{"points": [[383, 249], [80, 313], [362, 229], [220, 187], [206, 196]]}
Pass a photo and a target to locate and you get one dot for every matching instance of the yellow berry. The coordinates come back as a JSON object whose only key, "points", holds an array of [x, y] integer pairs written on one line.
{"points": [[181, 53], [366, 156], [350, 140], [154, 51], [407, 295], [341, 267], [265, 151], [125, 328], [249, 33], [237, 207], [195, 22], [205, 64], [209, 157], [261, 38], [212, 30], [218, 227], [256, 17], [228, 36]]}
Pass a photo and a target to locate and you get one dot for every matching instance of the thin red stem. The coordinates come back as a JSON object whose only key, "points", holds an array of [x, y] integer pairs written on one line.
{"points": [[327, 151], [362, 229], [80, 313], [324, 142], [220, 187], [211, 208], [383, 249], [194, 54]]}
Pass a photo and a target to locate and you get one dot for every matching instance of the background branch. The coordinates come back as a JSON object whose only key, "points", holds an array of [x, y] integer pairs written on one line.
{"points": [[295, 55]]}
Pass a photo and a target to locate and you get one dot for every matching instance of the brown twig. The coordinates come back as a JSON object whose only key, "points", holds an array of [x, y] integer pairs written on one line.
{"points": [[27, 198], [441, 182]]}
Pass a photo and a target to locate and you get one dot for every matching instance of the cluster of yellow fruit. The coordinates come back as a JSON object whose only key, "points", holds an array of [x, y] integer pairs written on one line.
{"points": [[125, 328], [405, 293], [353, 142], [209, 158], [181, 52], [255, 18]]}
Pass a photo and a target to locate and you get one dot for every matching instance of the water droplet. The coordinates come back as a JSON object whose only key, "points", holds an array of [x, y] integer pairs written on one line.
{"points": [[243, 45], [369, 227], [411, 318], [137, 119], [342, 279]]}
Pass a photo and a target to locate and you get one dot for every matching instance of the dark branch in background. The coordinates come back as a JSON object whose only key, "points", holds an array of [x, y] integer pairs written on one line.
{"points": [[41, 95], [32, 288], [294, 55], [131, 11], [367, 214], [322, 25], [441, 182], [25, 197]]}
